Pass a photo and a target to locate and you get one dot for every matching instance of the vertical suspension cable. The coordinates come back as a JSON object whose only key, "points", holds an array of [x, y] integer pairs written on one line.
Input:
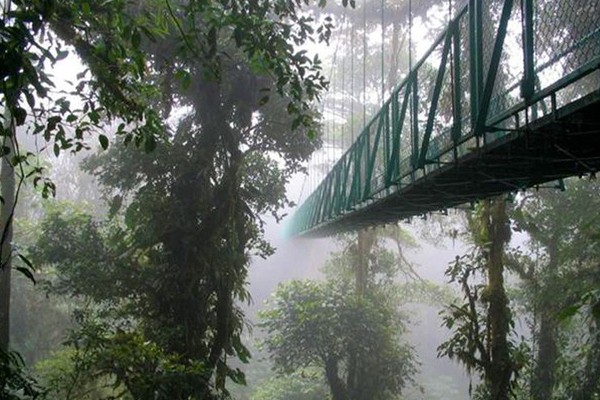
{"points": [[452, 55], [382, 52], [409, 35], [410, 68], [364, 93], [333, 125], [352, 85], [343, 111]]}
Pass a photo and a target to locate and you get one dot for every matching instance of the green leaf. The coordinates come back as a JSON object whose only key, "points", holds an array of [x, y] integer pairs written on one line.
{"points": [[184, 77], [20, 114], [61, 55], [103, 141], [568, 312], [85, 8], [264, 100], [136, 39], [149, 143], [296, 123], [26, 261], [27, 274], [27, 271], [30, 99]]}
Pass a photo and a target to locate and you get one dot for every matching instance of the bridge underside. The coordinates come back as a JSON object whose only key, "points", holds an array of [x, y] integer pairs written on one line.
{"points": [[565, 143]]}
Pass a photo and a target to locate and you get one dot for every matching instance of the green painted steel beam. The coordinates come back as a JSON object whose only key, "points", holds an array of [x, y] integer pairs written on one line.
{"points": [[457, 85], [434, 100], [482, 114]]}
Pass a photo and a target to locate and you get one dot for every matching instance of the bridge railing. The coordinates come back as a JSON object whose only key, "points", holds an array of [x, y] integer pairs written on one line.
{"points": [[498, 65]]}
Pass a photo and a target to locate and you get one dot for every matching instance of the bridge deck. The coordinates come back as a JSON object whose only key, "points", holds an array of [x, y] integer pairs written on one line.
{"points": [[553, 147]]}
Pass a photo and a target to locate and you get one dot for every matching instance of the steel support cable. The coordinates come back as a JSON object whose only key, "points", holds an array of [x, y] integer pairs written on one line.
{"points": [[410, 70], [314, 161], [352, 85], [364, 92], [343, 129], [325, 153], [382, 52], [452, 55], [383, 72], [409, 36]]}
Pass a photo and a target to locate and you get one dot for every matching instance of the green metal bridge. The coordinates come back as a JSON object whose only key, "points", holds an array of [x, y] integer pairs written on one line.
{"points": [[508, 97]]}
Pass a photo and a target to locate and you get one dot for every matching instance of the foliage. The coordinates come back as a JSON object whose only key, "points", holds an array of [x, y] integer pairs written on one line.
{"points": [[37, 36], [313, 324], [15, 382], [469, 321], [481, 326], [300, 385], [562, 247], [187, 216], [64, 377]]}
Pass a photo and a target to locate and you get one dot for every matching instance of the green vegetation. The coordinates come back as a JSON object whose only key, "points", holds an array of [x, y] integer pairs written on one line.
{"points": [[349, 327], [186, 216], [133, 284]]}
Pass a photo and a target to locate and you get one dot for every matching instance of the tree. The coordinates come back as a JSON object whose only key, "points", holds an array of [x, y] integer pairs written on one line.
{"points": [[302, 385], [27, 51], [562, 247], [481, 326], [177, 252], [349, 326], [320, 325], [8, 196]]}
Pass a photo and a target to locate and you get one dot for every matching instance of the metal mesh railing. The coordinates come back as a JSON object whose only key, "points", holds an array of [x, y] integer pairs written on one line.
{"points": [[443, 107]]}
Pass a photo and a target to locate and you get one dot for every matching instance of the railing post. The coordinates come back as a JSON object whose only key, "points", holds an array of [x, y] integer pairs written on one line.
{"points": [[528, 83], [457, 90], [490, 79], [395, 138], [475, 57], [415, 121], [437, 91]]}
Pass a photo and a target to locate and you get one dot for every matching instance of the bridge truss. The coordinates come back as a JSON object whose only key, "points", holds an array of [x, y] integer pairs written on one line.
{"points": [[508, 97]]}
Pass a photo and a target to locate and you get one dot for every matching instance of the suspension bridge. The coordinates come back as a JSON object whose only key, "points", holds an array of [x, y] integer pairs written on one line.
{"points": [[506, 98]]}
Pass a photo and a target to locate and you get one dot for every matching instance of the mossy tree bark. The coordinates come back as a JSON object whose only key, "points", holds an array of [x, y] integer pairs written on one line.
{"points": [[500, 368], [7, 182]]}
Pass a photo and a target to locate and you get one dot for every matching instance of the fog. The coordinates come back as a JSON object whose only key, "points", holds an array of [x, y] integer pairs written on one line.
{"points": [[134, 266], [304, 257]]}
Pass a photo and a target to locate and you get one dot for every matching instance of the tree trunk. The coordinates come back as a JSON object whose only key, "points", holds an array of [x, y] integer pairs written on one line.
{"points": [[590, 383], [547, 352], [543, 374], [364, 244], [501, 366], [7, 189], [336, 385]]}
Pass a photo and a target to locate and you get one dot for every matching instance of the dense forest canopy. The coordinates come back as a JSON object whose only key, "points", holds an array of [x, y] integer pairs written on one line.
{"points": [[191, 207], [132, 283]]}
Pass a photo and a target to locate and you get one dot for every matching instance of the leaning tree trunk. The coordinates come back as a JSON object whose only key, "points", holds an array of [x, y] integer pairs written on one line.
{"points": [[499, 319], [7, 189]]}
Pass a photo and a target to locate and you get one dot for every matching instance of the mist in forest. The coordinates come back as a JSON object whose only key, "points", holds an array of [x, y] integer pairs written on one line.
{"points": [[157, 156]]}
